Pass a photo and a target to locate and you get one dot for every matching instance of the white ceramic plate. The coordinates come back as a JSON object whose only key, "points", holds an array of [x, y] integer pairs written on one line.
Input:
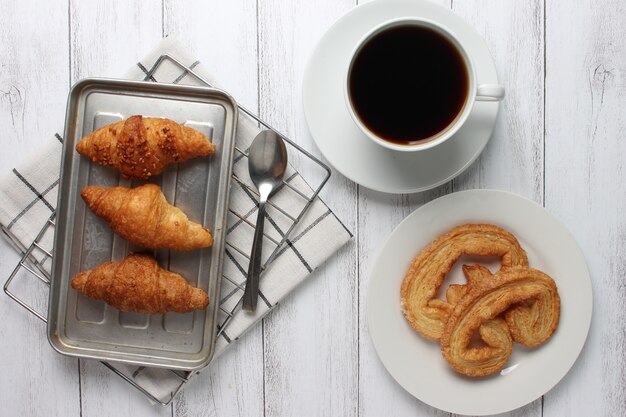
{"points": [[416, 363], [347, 148]]}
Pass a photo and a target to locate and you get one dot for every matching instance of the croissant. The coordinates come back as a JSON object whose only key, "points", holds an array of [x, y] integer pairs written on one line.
{"points": [[427, 314], [486, 297], [138, 284], [142, 216], [142, 147]]}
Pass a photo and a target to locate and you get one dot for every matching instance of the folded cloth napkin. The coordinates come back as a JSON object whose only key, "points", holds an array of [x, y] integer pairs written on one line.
{"points": [[29, 195]]}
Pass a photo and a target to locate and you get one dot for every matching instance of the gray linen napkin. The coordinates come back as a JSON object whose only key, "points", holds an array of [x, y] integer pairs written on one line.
{"points": [[29, 194]]}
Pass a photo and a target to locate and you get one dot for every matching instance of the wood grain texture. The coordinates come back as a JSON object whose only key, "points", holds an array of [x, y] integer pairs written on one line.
{"points": [[513, 158], [585, 188], [378, 215], [36, 381], [309, 341], [106, 40], [105, 394], [34, 74], [313, 355], [109, 37], [223, 36]]}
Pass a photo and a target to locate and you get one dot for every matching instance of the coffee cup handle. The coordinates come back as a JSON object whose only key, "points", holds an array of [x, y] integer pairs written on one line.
{"points": [[489, 92]]}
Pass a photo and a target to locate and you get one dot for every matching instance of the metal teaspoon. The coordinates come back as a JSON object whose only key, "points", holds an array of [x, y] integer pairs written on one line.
{"points": [[267, 161]]}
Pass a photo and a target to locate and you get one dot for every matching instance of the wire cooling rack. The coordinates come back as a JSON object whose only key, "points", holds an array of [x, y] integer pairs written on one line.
{"points": [[162, 385]]}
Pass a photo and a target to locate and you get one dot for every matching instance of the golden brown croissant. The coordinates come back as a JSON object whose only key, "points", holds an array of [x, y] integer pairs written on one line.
{"points": [[142, 216], [139, 285], [487, 297], [141, 147], [427, 314]]}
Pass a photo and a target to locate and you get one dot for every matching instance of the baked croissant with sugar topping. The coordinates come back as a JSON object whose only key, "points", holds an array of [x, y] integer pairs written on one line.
{"points": [[138, 284], [141, 147], [142, 216]]}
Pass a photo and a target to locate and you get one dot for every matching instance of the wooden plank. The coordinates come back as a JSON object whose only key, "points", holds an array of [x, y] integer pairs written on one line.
{"points": [[106, 40], [109, 38], [517, 142], [379, 214], [223, 36], [585, 148], [309, 341], [105, 394], [231, 386], [513, 159], [33, 75], [36, 381]]}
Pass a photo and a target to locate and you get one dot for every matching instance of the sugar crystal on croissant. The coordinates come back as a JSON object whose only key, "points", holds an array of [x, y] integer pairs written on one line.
{"points": [[141, 147]]}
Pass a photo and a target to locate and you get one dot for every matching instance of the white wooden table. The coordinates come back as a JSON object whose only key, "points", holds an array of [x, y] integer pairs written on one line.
{"points": [[559, 140]]}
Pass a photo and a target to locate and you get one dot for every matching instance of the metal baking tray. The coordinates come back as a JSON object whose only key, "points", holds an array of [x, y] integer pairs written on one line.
{"points": [[82, 327]]}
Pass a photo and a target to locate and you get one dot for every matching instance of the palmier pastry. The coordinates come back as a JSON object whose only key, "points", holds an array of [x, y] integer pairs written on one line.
{"points": [[531, 301], [428, 315]]}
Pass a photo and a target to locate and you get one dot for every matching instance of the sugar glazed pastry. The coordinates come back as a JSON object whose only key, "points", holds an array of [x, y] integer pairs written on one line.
{"points": [[143, 216], [479, 321], [526, 297], [141, 147], [427, 314], [138, 284]]}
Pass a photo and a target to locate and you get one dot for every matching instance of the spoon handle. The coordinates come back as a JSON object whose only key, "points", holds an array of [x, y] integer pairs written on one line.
{"points": [[251, 292]]}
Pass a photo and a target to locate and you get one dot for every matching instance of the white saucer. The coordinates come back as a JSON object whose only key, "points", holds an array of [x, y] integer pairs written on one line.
{"points": [[416, 363], [341, 141]]}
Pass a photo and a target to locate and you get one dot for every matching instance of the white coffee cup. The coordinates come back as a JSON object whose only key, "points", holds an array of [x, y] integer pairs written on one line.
{"points": [[482, 92]]}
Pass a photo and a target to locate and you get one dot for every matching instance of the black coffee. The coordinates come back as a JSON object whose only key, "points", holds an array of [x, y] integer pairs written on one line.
{"points": [[408, 83]]}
